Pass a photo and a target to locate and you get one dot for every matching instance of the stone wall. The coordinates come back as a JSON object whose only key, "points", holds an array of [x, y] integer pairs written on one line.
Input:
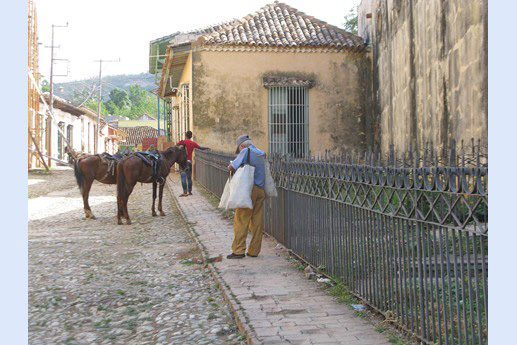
{"points": [[229, 98], [429, 68]]}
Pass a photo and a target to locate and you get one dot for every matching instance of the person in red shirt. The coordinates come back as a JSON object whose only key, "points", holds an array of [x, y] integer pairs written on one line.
{"points": [[186, 174]]}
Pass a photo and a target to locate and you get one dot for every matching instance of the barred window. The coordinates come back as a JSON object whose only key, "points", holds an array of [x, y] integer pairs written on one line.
{"points": [[69, 135], [289, 120], [185, 109], [60, 141]]}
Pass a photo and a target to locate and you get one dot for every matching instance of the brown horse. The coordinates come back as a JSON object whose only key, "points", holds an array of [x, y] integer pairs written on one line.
{"points": [[132, 169], [88, 168]]}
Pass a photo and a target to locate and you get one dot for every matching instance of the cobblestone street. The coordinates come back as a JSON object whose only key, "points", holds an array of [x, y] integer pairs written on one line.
{"points": [[95, 282]]}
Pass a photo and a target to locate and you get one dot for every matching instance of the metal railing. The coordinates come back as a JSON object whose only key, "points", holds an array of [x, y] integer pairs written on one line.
{"points": [[408, 236]]}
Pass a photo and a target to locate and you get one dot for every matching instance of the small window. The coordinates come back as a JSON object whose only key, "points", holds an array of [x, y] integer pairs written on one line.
{"points": [[289, 120]]}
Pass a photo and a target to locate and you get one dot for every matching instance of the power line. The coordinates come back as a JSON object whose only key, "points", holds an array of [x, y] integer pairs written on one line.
{"points": [[52, 46], [100, 100], [87, 98]]}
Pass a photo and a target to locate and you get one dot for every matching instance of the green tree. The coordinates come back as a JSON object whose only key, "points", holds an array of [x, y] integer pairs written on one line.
{"points": [[94, 106], [111, 107], [120, 98], [137, 96], [45, 86], [147, 106], [351, 20]]}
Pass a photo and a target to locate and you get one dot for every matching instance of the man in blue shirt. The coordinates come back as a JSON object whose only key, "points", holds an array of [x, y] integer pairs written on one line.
{"points": [[245, 217]]}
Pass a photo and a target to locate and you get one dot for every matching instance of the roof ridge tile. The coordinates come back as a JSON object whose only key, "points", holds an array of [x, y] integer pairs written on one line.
{"points": [[280, 25]]}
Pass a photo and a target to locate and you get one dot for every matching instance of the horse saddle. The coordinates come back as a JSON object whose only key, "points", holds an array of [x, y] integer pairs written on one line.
{"points": [[151, 159], [109, 157], [111, 161]]}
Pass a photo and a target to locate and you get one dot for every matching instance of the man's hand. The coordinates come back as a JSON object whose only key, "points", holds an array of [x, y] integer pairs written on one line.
{"points": [[231, 169]]}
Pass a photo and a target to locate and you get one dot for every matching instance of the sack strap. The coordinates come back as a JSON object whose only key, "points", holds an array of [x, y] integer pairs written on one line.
{"points": [[248, 157]]}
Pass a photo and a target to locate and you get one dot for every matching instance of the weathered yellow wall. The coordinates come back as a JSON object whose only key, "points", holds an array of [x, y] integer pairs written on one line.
{"points": [[229, 98], [430, 71]]}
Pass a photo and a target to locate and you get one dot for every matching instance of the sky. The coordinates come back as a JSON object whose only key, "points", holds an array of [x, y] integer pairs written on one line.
{"points": [[116, 29]]}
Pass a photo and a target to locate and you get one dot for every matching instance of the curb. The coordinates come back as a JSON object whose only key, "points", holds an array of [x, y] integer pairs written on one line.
{"points": [[237, 311]]}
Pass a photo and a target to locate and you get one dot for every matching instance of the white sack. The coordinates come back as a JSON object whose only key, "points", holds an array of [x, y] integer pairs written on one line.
{"points": [[226, 194], [269, 187], [241, 186]]}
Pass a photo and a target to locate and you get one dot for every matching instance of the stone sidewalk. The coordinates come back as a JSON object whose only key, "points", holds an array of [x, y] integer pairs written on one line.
{"points": [[274, 301]]}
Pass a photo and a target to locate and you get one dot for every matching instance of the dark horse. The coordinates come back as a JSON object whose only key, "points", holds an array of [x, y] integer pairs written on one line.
{"points": [[88, 168], [132, 169]]}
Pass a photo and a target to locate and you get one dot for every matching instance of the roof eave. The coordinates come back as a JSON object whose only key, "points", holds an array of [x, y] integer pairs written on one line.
{"points": [[176, 56]]}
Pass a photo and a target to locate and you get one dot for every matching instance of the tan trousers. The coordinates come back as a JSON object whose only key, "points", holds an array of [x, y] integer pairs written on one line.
{"points": [[245, 217]]}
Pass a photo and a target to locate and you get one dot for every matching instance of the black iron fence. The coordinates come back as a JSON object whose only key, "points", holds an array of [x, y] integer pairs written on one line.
{"points": [[408, 236]]}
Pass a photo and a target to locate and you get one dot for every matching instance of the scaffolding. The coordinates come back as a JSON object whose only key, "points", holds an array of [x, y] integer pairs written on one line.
{"points": [[34, 116]]}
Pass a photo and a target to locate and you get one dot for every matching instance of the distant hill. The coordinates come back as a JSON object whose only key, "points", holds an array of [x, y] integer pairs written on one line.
{"points": [[122, 81]]}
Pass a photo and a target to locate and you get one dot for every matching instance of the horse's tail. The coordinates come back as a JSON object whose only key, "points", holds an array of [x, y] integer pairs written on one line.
{"points": [[79, 177], [121, 180]]}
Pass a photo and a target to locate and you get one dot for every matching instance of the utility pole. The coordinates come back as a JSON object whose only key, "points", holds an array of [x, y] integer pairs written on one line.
{"points": [[97, 132], [51, 103]]}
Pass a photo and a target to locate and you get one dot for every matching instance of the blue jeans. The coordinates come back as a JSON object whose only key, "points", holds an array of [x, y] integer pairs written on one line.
{"points": [[186, 178]]}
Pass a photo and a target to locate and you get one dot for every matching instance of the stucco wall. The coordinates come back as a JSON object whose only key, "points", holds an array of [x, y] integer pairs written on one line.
{"points": [[229, 98], [430, 72], [79, 134], [67, 119]]}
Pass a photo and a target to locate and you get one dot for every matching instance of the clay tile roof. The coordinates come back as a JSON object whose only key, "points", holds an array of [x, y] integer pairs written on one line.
{"points": [[280, 25], [135, 135], [212, 28]]}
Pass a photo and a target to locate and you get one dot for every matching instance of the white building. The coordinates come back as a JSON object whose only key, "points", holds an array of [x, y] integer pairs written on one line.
{"points": [[78, 124]]}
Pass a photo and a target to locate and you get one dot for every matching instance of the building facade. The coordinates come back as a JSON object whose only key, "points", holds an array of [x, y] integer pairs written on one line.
{"points": [[77, 126], [417, 73], [295, 84]]}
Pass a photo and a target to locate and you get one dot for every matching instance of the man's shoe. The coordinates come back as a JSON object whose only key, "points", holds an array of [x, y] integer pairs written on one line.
{"points": [[253, 256], [235, 256]]}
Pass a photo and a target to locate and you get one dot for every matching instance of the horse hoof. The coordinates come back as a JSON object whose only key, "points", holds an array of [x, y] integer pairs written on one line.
{"points": [[92, 217], [154, 214], [119, 222], [128, 222], [162, 214]]}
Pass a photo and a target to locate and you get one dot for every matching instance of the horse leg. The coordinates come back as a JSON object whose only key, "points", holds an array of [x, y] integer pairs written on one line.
{"points": [[119, 210], [154, 198], [126, 199], [86, 193], [162, 185]]}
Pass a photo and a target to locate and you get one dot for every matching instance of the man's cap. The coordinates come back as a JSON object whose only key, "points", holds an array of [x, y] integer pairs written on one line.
{"points": [[240, 140]]}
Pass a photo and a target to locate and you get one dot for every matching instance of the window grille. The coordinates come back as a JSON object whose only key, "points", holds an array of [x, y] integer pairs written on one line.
{"points": [[289, 120], [168, 118], [178, 131], [185, 109], [82, 135], [69, 134], [60, 140]]}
